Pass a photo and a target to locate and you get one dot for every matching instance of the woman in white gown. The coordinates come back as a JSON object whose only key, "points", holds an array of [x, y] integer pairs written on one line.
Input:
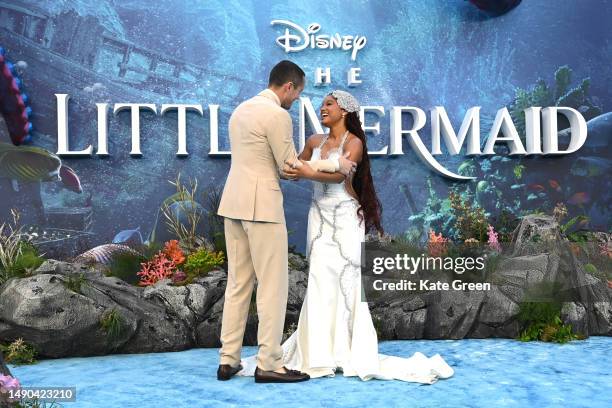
{"points": [[335, 330]]}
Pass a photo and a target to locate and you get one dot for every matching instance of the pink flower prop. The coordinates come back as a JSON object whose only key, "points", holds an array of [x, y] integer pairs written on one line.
{"points": [[493, 242], [8, 383]]}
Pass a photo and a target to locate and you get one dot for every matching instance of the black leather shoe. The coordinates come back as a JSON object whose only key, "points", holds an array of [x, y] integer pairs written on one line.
{"points": [[226, 371], [290, 376]]}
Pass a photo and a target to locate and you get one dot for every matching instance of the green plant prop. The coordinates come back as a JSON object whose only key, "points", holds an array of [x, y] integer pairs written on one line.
{"points": [[201, 262], [19, 352], [575, 236], [150, 249], [112, 323], [18, 258], [542, 322], [125, 266], [187, 234], [9, 246], [26, 262], [216, 230], [470, 222], [75, 282], [183, 216], [541, 319], [459, 217]]}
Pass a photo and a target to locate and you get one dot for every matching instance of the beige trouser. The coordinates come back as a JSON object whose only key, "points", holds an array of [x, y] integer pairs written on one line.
{"points": [[255, 249]]}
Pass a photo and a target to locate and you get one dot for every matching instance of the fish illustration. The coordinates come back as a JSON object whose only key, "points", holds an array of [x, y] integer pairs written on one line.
{"points": [[555, 185], [591, 166], [25, 164], [536, 187], [70, 179], [104, 254], [28, 163], [579, 198], [129, 237]]}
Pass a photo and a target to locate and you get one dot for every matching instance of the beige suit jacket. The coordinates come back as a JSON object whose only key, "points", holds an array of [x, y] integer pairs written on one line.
{"points": [[261, 140]]}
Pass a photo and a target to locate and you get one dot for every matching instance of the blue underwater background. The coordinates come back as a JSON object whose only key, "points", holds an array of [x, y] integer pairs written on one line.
{"points": [[419, 53]]}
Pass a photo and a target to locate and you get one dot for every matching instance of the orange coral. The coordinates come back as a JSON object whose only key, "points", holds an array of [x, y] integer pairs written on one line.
{"points": [[173, 252], [163, 265], [437, 244]]}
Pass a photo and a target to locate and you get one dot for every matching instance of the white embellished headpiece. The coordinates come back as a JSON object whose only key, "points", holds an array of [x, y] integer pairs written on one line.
{"points": [[345, 100]]}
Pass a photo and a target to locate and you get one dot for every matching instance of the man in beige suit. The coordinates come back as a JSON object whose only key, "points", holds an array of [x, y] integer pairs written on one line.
{"points": [[260, 131]]}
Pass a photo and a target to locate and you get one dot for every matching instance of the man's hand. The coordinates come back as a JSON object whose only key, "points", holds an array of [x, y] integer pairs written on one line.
{"points": [[289, 173], [346, 166], [298, 170], [303, 170]]}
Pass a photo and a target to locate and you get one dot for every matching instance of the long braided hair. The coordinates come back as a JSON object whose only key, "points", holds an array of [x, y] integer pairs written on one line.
{"points": [[370, 209]]}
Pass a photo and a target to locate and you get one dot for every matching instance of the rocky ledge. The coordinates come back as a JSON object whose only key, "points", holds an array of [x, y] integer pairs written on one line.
{"points": [[60, 319], [540, 258]]}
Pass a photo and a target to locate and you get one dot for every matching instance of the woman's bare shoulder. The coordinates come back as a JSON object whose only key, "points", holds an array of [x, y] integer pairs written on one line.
{"points": [[353, 140], [314, 140]]}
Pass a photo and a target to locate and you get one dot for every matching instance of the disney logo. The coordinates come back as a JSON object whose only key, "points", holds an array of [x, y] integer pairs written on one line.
{"points": [[297, 38]]}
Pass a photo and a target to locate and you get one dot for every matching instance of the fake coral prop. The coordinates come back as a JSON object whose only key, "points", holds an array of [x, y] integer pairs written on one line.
{"points": [[437, 244], [155, 270], [173, 252], [493, 241]]}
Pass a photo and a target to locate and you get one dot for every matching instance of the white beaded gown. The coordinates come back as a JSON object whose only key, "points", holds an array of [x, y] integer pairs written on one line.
{"points": [[335, 330]]}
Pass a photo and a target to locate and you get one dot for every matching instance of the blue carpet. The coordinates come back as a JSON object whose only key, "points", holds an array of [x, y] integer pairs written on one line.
{"points": [[488, 372]]}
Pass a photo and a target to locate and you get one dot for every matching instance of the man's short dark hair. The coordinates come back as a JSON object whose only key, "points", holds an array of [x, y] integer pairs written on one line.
{"points": [[286, 71]]}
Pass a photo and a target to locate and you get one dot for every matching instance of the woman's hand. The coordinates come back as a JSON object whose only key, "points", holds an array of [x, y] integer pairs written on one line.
{"points": [[347, 167]]}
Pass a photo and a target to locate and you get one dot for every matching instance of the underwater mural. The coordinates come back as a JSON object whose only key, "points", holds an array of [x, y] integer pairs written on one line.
{"points": [[107, 53]]}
